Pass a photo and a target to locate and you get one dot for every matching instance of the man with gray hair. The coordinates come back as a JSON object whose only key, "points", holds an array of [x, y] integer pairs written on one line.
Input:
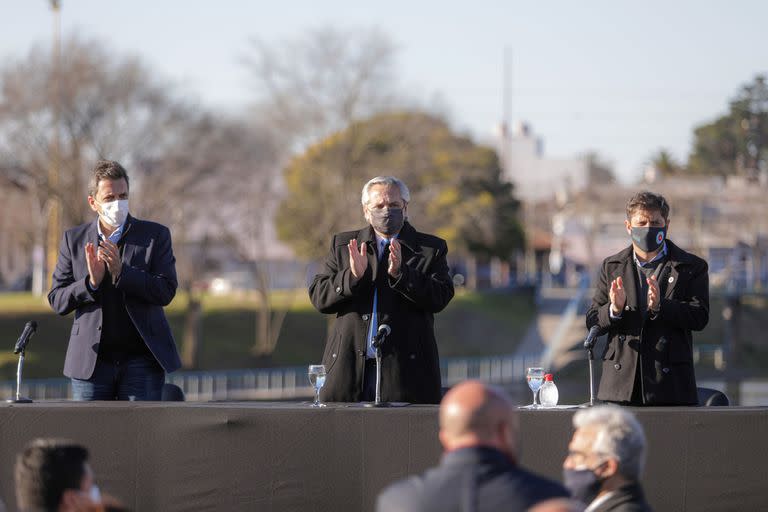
{"points": [[605, 460], [385, 273]]}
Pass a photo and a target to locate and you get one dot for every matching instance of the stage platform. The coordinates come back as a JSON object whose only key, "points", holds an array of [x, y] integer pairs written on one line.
{"points": [[289, 456]]}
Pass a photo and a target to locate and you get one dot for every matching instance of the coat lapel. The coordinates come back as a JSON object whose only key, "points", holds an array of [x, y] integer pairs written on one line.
{"points": [[367, 236], [629, 276]]}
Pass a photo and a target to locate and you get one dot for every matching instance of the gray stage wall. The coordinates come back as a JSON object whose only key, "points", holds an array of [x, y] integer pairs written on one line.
{"points": [[237, 456]]}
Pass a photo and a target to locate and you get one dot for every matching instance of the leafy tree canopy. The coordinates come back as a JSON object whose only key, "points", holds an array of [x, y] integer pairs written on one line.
{"points": [[456, 188]]}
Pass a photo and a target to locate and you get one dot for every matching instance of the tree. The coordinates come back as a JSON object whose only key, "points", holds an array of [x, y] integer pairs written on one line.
{"points": [[191, 170], [736, 143], [665, 163], [456, 186], [55, 120], [319, 83]]}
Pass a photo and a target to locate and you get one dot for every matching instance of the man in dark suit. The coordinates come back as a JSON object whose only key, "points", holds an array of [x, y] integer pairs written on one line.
{"points": [[116, 273], [478, 471], [386, 273], [605, 460], [648, 298]]}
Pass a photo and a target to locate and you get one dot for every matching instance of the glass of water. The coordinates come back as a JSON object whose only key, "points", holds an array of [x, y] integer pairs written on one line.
{"points": [[316, 375], [535, 377]]}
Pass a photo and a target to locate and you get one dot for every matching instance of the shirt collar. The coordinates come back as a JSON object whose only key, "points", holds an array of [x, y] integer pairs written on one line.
{"points": [[662, 253], [116, 234], [380, 240], [598, 501]]}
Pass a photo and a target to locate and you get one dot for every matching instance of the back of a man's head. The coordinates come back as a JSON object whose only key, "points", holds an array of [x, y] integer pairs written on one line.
{"points": [[45, 470], [476, 414]]}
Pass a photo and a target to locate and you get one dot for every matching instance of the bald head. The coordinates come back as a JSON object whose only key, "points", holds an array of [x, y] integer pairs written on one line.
{"points": [[475, 414]]}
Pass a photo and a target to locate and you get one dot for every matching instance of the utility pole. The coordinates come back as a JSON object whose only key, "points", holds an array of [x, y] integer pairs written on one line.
{"points": [[54, 203]]}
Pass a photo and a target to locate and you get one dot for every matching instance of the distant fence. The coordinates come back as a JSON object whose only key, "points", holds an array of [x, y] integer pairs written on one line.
{"points": [[284, 383]]}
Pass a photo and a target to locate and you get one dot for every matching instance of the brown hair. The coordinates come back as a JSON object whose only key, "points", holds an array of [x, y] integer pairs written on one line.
{"points": [[649, 201], [106, 170], [45, 470]]}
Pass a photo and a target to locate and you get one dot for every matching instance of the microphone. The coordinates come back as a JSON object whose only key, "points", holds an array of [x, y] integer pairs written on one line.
{"points": [[592, 336], [381, 334], [26, 334]]}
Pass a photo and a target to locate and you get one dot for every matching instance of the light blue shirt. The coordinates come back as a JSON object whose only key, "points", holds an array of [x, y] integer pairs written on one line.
{"points": [[116, 234], [114, 237]]}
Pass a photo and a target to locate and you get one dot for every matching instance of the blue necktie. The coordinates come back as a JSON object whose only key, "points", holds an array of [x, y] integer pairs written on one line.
{"points": [[374, 325]]}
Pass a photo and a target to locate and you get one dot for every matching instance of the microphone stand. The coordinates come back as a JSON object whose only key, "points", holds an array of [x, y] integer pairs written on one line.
{"points": [[19, 399], [591, 358], [377, 400], [589, 345]]}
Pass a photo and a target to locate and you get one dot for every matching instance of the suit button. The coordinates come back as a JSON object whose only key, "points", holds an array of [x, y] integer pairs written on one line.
{"points": [[622, 337], [413, 356], [626, 308], [665, 370], [98, 328], [333, 356], [617, 366], [338, 289], [365, 318]]}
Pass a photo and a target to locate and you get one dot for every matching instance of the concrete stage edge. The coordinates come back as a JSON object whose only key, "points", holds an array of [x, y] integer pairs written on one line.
{"points": [[288, 456]]}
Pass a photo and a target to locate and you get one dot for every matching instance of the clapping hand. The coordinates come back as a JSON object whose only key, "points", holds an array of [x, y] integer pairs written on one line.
{"points": [[618, 296], [358, 259]]}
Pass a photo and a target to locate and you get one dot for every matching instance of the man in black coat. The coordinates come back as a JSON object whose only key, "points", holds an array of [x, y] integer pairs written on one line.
{"points": [[648, 298], [386, 273], [116, 273], [605, 460], [478, 471]]}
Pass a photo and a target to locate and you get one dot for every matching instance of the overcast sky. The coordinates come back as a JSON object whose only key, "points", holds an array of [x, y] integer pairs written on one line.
{"points": [[621, 78]]}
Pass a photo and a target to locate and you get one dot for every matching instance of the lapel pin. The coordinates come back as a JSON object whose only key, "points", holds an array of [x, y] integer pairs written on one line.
{"points": [[671, 279]]}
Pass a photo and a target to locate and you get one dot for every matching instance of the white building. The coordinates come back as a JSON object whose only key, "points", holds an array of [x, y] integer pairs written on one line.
{"points": [[535, 176]]}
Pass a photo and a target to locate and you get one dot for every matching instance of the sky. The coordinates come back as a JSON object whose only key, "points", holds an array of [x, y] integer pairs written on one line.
{"points": [[625, 79]]}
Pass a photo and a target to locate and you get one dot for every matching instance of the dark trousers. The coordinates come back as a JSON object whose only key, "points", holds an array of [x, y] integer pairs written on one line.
{"points": [[122, 377]]}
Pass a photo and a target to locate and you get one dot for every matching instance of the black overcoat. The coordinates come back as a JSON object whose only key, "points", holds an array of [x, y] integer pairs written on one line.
{"points": [[410, 363], [663, 343]]}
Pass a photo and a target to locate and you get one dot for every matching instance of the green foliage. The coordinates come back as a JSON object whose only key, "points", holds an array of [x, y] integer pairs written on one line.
{"points": [[665, 163], [736, 143], [456, 187]]}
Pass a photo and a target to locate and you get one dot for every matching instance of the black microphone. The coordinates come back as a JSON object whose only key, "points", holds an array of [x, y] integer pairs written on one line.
{"points": [[592, 336], [381, 334], [26, 334]]}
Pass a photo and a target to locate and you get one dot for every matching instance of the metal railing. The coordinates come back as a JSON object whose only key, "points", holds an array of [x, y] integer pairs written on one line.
{"points": [[284, 383]]}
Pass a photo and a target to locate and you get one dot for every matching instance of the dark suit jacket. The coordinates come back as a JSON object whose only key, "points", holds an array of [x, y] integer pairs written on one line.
{"points": [[663, 344], [148, 282], [629, 498], [410, 364], [471, 479]]}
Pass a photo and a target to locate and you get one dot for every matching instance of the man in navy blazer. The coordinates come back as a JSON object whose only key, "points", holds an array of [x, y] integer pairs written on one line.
{"points": [[479, 470], [116, 273]]}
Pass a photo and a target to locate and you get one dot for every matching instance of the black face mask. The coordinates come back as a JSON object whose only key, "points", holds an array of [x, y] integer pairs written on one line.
{"points": [[583, 484], [648, 239], [387, 221]]}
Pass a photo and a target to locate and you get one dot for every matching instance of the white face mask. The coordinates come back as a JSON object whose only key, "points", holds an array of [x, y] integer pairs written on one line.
{"points": [[114, 213]]}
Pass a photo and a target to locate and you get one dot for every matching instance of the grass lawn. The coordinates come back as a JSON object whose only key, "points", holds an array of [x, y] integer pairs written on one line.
{"points": [[474, 324]]}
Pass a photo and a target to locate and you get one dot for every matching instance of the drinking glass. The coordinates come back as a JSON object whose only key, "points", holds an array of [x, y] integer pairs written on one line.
{"points": [[316, 375], [535, 377]]}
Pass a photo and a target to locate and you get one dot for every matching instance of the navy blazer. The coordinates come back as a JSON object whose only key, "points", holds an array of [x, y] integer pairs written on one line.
{"points": [[475, 479], [148, 282]]}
